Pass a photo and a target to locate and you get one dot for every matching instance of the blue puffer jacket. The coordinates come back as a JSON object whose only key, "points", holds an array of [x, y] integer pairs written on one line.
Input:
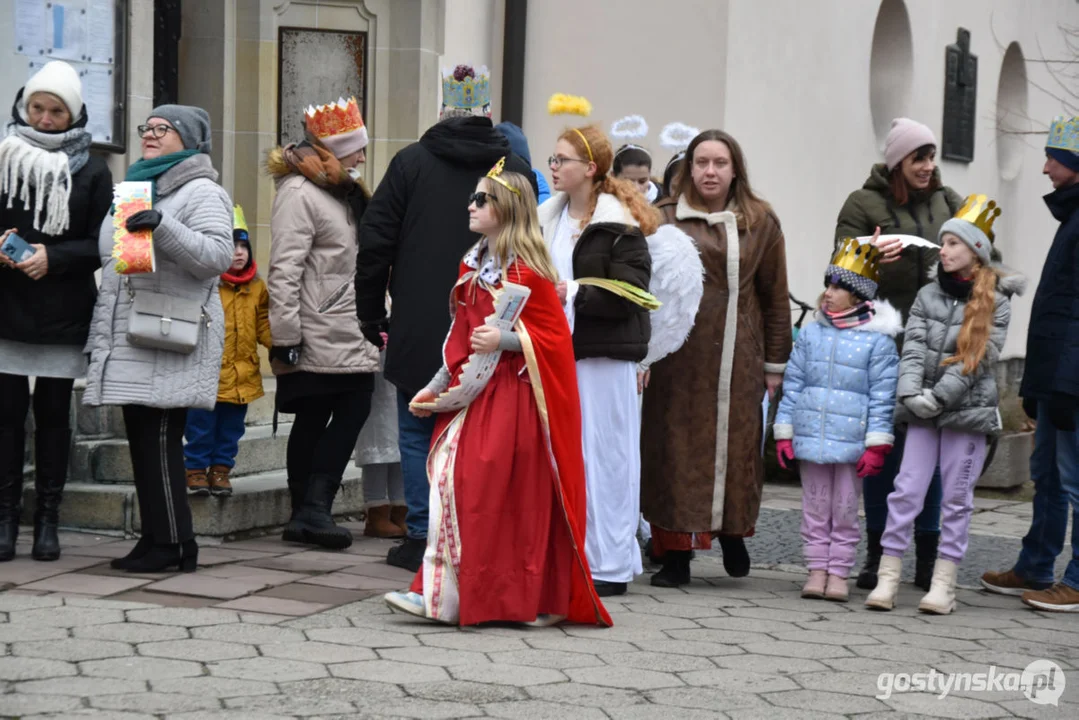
{"points": [[839, 389]]}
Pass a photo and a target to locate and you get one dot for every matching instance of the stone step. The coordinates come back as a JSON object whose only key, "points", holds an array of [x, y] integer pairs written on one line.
{"points": [[109, 461], [258, 501]]}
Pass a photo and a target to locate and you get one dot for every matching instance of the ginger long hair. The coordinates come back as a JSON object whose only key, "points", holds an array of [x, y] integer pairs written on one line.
{"points": [[977, 325], [751, 206], [602, 154], [520, 236]]}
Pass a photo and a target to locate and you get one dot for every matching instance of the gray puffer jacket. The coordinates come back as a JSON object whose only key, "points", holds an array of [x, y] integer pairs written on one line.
{"points": [[192, 247], [970, 402]]}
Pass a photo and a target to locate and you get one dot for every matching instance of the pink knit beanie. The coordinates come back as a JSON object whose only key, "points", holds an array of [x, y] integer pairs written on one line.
{"points": [[905, 137]]}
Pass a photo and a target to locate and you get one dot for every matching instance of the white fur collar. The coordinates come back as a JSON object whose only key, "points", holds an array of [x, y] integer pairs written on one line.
{"points": [[886, 320], [685, 211], [609, 209]]}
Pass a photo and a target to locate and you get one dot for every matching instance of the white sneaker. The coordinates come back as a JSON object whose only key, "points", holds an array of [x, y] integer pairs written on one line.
{"points": [[407, 602]]}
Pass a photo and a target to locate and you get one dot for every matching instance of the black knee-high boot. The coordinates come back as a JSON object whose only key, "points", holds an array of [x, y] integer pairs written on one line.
{"points": [[52, 447], [12, 444]]}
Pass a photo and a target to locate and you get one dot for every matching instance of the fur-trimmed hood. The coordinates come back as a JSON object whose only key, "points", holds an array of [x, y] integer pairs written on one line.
{"points": [[279, 169], [609, 211], [887, 320]]}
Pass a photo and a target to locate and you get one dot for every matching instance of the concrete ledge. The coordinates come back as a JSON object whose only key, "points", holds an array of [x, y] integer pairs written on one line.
{"points": [[1011, 464], [87, 506]]}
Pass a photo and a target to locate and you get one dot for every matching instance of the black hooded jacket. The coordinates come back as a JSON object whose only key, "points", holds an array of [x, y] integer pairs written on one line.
{"points": [[414, 234]]}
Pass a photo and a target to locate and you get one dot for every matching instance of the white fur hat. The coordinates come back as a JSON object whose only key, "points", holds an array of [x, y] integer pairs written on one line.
{"points": [[59, 79]]}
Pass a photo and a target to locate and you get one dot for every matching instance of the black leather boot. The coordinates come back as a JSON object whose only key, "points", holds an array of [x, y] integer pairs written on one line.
{"points": [[143, 546], [12, 445], [52, 447], [675, 572], [314, 521], [294, 530], [925, 558], [183, 556], [867, 578], [735, 555]]}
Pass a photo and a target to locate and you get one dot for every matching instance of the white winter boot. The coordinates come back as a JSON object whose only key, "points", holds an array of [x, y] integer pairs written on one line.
{"points": [[940, 600], [883, 597]]}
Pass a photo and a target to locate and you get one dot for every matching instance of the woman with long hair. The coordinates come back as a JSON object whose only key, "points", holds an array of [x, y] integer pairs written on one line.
{"points": [[903, 195], [54, 195], [507, 512], [595, 226], [702, 470]]}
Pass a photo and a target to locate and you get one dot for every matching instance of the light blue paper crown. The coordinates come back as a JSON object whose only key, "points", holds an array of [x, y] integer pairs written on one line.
{"points": [[470, 93], [1064, 134]]}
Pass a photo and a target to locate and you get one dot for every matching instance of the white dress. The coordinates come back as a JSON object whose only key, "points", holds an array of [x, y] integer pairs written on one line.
{"points": [[611, 436]]}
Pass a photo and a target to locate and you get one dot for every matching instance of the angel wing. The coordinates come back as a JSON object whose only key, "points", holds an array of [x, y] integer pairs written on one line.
{"points": [[678, 283], [907, 240]]}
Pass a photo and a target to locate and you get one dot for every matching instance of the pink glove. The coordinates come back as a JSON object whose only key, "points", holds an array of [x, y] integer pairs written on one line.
{"points": [[872, 461], [784, 452]]}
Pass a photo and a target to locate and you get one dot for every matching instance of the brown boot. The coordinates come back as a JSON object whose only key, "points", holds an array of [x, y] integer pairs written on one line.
{"points": [[379, 525], [398, 513], [197, 484], [219, 481]]}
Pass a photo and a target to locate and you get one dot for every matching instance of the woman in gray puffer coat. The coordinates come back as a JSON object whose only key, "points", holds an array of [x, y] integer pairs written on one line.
{"points": [[948, 398], [191, 222]]}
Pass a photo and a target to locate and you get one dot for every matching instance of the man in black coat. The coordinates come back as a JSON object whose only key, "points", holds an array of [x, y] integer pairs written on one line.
{"points": [[412, 239], [1050, 392]]}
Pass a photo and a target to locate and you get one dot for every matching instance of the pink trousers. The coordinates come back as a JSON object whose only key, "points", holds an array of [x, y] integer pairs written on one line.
{"points": [[830, 530]]}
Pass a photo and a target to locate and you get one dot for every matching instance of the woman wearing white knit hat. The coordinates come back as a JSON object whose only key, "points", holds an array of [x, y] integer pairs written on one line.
{"points": [[53, 195]]}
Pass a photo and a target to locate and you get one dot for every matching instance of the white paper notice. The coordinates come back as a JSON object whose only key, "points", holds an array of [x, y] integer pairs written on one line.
{"points": [[29, 27], [98, 86], [65, 29], [479, 367], [33, 67], [100, 31]]}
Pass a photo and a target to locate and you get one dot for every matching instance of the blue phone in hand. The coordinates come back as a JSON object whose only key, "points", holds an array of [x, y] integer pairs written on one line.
{"points": [[17, 249]]}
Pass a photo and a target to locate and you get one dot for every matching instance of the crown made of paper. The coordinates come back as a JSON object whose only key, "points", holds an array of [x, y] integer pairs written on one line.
{"points": [[862, 259], [495, 172], [239, 222], [1064, 134], [465, 88], [562, 104], [336, 118], [980, 211]]}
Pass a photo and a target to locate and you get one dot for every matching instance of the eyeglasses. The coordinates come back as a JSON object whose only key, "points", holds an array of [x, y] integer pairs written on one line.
{"points": [[480, 198], [555, 161], [158, 131]]}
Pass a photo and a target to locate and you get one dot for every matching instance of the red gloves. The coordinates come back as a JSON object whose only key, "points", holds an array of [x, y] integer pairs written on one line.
{"points": [[784, 452], [872, 461]]}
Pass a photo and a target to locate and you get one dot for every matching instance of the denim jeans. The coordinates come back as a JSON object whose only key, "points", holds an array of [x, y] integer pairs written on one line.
{"points": [[414, 442], [213, 436], [876, 489], [1054, 467]]}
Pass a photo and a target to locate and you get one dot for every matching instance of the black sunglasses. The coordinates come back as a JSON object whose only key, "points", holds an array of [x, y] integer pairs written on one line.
{"points": [[480, 198]]}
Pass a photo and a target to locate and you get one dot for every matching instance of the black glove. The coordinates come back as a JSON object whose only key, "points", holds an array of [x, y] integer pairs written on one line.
{"points": [[373, 331], [1062, 411], [288, 355], [1030, 407], [144, 220]]}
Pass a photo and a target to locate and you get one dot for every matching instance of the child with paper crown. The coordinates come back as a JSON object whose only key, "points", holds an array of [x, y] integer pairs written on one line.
{"points": [[213, 436], [837, 412], [948, 397]]}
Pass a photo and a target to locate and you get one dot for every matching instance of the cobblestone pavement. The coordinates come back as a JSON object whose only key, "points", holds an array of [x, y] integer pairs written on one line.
{"points": [[267, 630]]}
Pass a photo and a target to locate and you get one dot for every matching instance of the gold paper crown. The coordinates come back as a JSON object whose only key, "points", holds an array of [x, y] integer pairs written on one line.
{"points": [[494, 173], [1064, 134], [239, 222], [334, 119], [860, 258], [980, 212]]}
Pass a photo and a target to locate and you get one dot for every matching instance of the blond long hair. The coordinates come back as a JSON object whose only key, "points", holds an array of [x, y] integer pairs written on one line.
{"points": [[977, 325], [600, 150], [520, 236]]}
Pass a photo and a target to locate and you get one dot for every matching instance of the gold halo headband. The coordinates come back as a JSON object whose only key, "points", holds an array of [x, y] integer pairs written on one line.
{"points": [[586, 145], [494, 173]]}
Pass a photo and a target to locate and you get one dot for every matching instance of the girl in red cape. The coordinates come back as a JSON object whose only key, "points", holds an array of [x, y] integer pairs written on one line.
{"points": [[505, 540]]}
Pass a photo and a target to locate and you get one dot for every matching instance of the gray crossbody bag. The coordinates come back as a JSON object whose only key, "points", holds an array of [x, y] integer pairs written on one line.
{"points": [[164, 322]]}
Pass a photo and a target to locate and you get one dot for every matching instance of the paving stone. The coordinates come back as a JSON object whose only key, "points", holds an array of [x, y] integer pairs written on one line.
{"points": [[97, 715], [559, 641], [660, 662], [167, 600], [228, 715], [823, 638], [389, 671], [155, 702], [714, 699], [215, 687], [140, 668], [363, 637], [688, 647], [433, 656], [475, 641], [933, 642], [381, 570], [344, 689], [265, 576], [348, 581], [248, 633], [898, 654], [744, 624], [109, 603], [851, 683], [1027, 709], [305, 592], [259, 618], [540, 710], [315, 622], [628, 678], [18, 668], [301, 705], [873, 666], [264, 668], [282, 606], [81, 686], [798, 649], [464, 691], [10, 601], [756, 613], [130, 632], [182, 616], [16, 633], [556, 659], [71, 650], [296, 563], [87, 584], [197, 650], [17, 705], [948, 707], [662, 712], [67, 616], [721, 637], [619, 633], [813, 700], [506, 674], [317, 652], [771, 664], [746, 681], [585, 695], [206, 586], [672, 609], [774, 713]]}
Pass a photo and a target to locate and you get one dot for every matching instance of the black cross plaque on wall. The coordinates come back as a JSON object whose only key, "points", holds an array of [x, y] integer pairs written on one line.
{"points": [[960, 99]]}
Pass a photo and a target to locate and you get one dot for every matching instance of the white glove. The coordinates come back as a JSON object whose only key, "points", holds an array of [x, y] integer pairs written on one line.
{"points": [[924, 406]]}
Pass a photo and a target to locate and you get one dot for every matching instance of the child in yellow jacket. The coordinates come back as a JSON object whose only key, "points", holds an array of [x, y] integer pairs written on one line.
{"points": [[213, 436]]}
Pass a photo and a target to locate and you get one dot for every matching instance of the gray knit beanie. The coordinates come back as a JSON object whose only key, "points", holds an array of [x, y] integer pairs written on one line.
{"points": [[193, 124], [975, 239]]}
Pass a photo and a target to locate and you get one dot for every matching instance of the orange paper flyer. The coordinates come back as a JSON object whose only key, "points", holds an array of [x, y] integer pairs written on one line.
{"points": [[134, 251]]}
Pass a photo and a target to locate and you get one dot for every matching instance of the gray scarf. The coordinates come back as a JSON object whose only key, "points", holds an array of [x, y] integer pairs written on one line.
{"points": [[45, 162]]}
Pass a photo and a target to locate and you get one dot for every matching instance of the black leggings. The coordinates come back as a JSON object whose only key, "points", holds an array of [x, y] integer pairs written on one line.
{"points": [[155, 438], [324, 433], [52, 402]]}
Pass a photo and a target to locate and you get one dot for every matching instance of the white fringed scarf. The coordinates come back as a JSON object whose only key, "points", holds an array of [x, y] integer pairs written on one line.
{"points": [[44, 162]]}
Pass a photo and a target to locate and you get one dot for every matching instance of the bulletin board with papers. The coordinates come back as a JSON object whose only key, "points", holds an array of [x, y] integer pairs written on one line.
{"points": [[90, 35]]}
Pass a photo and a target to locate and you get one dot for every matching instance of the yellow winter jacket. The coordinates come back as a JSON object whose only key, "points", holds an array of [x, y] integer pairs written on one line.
{"points": [[247, 325]]}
